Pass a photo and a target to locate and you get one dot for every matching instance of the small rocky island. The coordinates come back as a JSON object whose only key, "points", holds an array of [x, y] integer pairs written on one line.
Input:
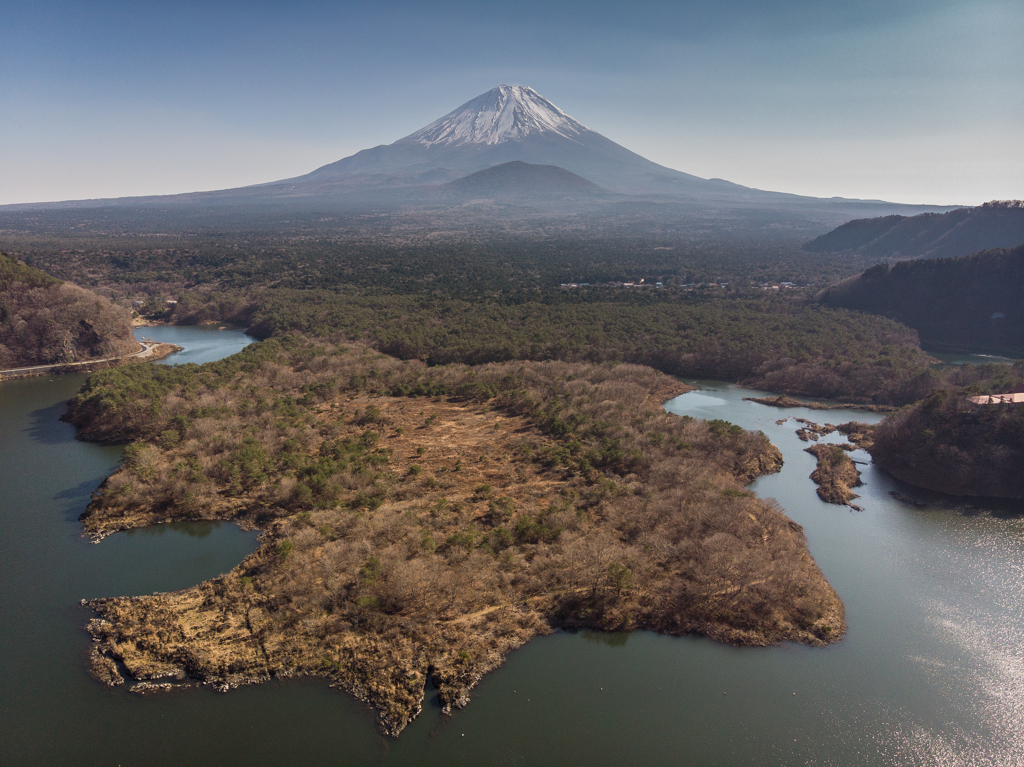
{"points": [[836, 472], [835, 475], [424, 522]]}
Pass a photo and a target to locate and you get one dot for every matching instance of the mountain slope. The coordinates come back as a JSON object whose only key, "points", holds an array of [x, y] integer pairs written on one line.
{"points": [[972, 303], [520, 180], [511, 123], [997, 224]]}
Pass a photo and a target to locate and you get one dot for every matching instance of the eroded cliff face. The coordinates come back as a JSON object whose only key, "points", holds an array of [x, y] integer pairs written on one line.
{"points": [[416, 536]]}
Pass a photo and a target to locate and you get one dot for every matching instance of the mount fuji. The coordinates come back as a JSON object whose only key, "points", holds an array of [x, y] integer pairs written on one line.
{"points": [[528, 150], [510, 123]]}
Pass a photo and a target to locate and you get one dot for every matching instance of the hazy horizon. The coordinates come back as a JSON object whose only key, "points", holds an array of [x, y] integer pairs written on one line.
{"points": [[877, 100]]}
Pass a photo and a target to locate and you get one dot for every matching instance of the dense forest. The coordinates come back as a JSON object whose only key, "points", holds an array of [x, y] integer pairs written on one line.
{"points": [[44, 321], [762, 342], [467, 264], [950, 444], [419, 286], [483, 294], [973, 303], [424, 521]]}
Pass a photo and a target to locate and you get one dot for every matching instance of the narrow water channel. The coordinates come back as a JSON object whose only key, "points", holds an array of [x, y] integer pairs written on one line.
{"points": [[931, 672]]}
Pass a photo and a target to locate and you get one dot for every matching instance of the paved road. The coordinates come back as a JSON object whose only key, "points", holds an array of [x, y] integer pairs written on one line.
{"points": [[143, 353]]}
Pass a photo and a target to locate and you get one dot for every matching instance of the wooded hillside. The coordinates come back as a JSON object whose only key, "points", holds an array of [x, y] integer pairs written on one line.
{"points": [[997, 224], [948, 443], [44, 321], [974, 303]]}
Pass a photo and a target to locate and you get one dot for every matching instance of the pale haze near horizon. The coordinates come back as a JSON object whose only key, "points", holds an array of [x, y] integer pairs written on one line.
{"points": [[904, 101]]}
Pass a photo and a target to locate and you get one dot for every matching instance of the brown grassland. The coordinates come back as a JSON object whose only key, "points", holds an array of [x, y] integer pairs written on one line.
{"points": [[423, 522]]}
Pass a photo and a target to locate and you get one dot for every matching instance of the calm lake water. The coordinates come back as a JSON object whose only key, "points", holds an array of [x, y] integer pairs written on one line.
{"points": [[201, 344], [931, 672]]}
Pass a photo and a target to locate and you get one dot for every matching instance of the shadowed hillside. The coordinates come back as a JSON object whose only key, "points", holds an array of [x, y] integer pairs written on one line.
{"points": [[997, 224], [971, 303]]}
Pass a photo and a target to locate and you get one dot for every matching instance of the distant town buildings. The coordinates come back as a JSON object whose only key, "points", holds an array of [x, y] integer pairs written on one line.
{"points": [[998, 399], [780, 286], [641, 284]]}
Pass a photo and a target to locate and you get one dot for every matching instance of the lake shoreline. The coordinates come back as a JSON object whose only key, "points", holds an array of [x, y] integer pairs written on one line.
{"points": [[157, 352], [628, 698], [243, 641]]}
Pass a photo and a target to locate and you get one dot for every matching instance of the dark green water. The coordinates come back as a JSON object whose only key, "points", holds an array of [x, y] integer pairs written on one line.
{"points": [[931, 672]]}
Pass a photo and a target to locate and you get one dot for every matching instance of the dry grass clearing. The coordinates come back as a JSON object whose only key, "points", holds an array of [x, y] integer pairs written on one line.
{"points": [[427, 521]]}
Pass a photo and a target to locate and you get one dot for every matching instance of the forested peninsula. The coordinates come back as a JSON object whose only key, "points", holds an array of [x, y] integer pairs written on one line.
{"points": [[951, 444], [423, 521], [44, 321]]}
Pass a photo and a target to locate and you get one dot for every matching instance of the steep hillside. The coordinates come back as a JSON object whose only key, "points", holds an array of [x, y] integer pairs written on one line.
{"points": [[44, 321], [971, 303], [948, 443], [997, 224]]}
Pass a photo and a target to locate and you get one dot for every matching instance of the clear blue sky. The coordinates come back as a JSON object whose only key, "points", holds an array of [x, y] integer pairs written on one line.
{"points": [[908, 101]]}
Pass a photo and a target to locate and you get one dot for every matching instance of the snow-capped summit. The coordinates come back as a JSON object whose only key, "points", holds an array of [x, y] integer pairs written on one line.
{"points": [[506, 124], [505, 113]]}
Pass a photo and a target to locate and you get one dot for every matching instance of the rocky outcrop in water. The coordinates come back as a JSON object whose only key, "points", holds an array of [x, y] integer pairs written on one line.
{"points": [[835, 475]]}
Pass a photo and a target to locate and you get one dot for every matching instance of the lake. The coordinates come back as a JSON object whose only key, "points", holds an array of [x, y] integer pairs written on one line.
{"points": [[931, 671]]}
